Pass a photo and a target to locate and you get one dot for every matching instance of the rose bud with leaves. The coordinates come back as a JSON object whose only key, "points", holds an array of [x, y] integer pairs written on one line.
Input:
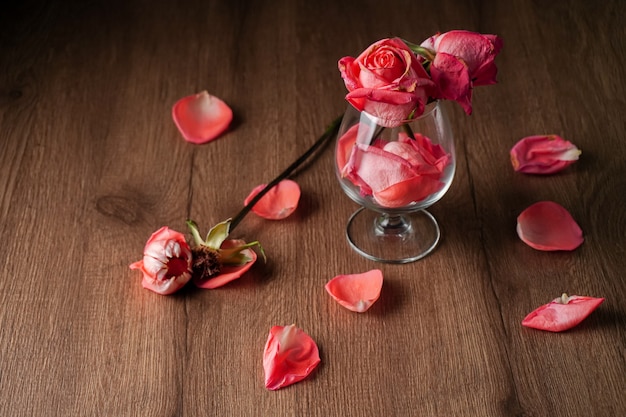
{"points": [[216, 260]]}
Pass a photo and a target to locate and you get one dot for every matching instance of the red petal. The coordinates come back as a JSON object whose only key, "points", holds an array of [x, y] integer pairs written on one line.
{"points": [[201, 117], [356, 292], [548, 226], [278, 203], [290, 355], [228, 273], [562, 313], [344, 146], [543, 154], [408, 191]]}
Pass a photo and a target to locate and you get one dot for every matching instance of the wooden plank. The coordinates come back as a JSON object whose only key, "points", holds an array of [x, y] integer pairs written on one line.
{"points": [[92, 163]]}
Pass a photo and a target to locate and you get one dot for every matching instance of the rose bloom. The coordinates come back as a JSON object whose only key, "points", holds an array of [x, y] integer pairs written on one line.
{"points": [[166, 263], [387, 81], [463, 60]]}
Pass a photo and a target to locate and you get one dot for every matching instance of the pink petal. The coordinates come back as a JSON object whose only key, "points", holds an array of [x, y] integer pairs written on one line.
{"points": [[562, 313], [548, 226], [452, 76], [278, 203], [408, 191], [356, 292], [543, 154], [290, 355], [400, 173], [344, 146], [228, 273], [201, 117], [375, 169]]}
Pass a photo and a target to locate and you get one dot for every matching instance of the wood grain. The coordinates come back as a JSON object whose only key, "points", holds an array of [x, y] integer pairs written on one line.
{"points": [[91, 164]]}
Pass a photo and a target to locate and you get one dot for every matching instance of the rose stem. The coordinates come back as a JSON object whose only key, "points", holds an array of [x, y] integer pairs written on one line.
{"points": [[331, 130]]}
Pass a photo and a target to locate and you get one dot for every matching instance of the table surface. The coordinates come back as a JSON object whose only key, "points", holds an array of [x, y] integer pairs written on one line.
{"points": [[91, 164]]}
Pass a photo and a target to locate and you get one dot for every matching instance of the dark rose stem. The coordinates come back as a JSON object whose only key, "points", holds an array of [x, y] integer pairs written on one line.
{"points": [[331, 131]]}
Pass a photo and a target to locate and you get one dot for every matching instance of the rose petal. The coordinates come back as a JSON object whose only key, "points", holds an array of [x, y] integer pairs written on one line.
{"points": [[228, 273], [393, 180], [277, 203], [562, 313], [548, 226], [344, 146], [356, 292], [408, 191], [290, 355], [543, 154], [201, 117]]}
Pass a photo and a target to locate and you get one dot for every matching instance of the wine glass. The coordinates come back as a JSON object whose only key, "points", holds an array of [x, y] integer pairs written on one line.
{"points": [[395, 173]]}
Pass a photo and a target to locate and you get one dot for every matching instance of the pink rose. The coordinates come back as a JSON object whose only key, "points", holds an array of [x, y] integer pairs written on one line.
{"points": [[387, 81], [463, 60], [166, 263]]}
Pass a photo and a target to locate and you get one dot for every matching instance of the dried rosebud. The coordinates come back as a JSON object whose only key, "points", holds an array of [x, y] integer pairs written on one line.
{"points": [[463, 60], [166, 263], [543, 154]]}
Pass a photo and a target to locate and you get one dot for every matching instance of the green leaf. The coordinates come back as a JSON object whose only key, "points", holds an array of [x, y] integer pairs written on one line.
{"points": [[233, 256], [193, 228], [217, 235]]}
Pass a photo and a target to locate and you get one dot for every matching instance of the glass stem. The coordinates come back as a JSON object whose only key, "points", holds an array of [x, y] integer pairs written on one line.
{"points": [[331, 130], [392, 224]]}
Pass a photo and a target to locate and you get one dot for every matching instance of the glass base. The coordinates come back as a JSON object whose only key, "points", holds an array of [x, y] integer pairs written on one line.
{"points": [[398, 238]]}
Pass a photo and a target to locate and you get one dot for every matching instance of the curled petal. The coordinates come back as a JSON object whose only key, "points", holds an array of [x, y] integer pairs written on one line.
{"points": [[228, 272], [562, 313], [201, 117], [290, 355], [278, 203], [543, 154], [547, 226], [356, 292], [344, 146], [453, 79]]}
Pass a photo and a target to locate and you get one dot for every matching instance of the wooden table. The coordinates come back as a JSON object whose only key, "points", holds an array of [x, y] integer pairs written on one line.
{"points": [[91, 164]]}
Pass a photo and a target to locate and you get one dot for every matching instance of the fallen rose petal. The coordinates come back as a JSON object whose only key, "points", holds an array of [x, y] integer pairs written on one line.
{"points": [[548, 226], [356, 292], [228, 273], [562, 313], [278, 203], [201, 117], [543, 154], [290, 355]]}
